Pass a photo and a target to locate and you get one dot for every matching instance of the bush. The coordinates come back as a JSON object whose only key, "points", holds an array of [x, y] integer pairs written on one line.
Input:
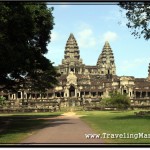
{"points": [[2, 100], [117, 100]]}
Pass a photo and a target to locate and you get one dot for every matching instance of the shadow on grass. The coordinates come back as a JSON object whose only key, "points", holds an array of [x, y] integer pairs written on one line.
{"points": [[25, 124], [131, 117], [117, 112]]}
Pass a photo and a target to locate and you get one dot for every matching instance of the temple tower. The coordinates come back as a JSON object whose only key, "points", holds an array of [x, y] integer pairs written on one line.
{"points": [[106, 63], [72, 61], [149, 72]]}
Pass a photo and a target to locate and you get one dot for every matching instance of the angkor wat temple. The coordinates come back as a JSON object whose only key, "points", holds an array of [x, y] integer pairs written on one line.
{"points": [[79, 82]]}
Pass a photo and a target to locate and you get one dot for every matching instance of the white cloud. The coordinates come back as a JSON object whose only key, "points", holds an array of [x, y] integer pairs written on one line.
{"points": [[86, 32], [86, 37], [109, 36], [82, 25]]}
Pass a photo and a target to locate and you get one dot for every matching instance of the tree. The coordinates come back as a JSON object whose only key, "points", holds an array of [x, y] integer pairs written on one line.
{"points": [[2, 100], [117, 100], [25, 30], [120, 101], [138, 15], [105, 102]]}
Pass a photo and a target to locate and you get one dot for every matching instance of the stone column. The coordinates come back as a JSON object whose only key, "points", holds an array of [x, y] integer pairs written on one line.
{"points": [[75, 94], [79, 93], [16, 96], [80, 70], [53, 95], [89, 93], [64, 94], [25, 95], [30, 95], [9, 97], [67, 93]]}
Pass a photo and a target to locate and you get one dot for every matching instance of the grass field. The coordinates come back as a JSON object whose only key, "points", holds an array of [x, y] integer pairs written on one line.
{"points": [[113, 122], [16, 127]]}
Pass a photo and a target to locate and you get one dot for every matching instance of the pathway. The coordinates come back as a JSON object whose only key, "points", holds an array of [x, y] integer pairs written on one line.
{"points": [[67, 128]]}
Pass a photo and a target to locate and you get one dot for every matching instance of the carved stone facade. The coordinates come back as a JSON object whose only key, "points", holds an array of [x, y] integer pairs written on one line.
{"points": [[71, 61], [106, 63], [79, 81]]}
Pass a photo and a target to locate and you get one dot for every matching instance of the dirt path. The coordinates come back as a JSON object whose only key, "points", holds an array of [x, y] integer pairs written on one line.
{"points": [[67, 128]]}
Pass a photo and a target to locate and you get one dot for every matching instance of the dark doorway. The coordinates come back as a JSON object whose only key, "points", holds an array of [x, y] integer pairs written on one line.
{"points": [[19, 94], [72, 69], [71, 91], [124, 91]]}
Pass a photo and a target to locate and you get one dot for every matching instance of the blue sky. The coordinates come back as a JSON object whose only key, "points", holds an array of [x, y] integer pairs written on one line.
{"points": [[92, 25]]}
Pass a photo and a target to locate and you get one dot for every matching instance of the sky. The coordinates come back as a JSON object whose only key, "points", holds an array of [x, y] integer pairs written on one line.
{"points": [[92, 25]]}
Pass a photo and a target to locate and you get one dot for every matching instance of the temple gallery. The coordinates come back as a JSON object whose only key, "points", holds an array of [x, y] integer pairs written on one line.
{"points": [[79, 82]]}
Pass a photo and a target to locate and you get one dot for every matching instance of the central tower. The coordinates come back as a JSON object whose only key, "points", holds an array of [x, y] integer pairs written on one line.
{"points": [[106, 63]]}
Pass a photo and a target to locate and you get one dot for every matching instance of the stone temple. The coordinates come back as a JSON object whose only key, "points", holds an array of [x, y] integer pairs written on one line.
{"points": [[79, 82]]}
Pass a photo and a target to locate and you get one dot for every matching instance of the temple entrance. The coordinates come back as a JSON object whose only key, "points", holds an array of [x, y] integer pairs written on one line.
{"points": [[71, 91]]}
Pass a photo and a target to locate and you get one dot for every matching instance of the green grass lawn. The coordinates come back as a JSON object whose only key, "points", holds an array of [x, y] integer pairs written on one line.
{"points": [[21, 125], [113, 122]]}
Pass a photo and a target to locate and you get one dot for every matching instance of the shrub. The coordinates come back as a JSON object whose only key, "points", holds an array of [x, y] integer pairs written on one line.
{"points": [[2, 100], [117, 100]]}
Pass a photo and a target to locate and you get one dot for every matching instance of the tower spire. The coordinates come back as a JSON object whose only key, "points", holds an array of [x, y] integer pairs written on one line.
{"points": [[149, 72], [72, 54], [106, 62]]}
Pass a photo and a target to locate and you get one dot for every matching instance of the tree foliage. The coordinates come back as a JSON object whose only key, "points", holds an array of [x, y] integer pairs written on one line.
{"points": [[138, 15], [105, 102], [25, 30], [120, 101], [2, 100], [117, 100]]}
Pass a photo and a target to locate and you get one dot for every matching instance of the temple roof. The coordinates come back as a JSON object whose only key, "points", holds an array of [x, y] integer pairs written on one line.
{"points": [[72, 55], [106, 56], [149, 69]]}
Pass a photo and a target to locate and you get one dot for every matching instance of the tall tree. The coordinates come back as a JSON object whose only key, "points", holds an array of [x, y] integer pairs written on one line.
{"points": [[25, 30], [138, 15]]}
